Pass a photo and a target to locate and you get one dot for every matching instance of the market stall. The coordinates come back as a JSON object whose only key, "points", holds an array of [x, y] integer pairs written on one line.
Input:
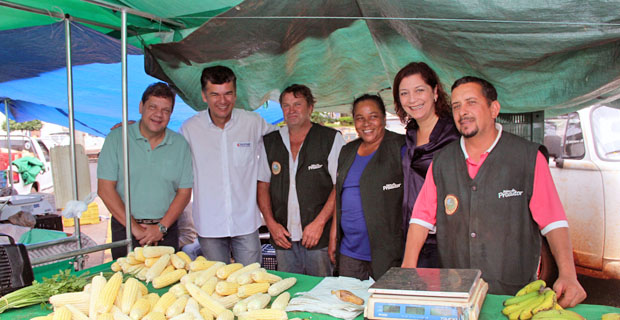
{"points": [[491, 309]]}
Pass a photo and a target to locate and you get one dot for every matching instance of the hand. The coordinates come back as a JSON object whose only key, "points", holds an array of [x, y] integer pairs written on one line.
{"points": [[120, 124], [331, 250], [569, 291], [152, 235], [137, 231], [279, 235], [312, 234]]}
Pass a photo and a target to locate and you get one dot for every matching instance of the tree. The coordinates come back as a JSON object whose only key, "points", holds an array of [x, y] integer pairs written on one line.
{"points": [[25, 126]]}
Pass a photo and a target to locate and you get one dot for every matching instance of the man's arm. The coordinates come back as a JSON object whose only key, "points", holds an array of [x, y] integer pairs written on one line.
{"points": [[416, 236], [314, 230], [333, 235], [277, 231], [106, 189], [568, 289], [181, 199]]}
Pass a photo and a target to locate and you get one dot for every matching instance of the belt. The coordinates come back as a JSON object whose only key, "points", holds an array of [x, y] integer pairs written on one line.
{"points": [[147, 221]]}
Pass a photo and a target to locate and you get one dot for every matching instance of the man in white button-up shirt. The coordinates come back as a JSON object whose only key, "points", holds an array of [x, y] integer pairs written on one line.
{"points": [[225, 145]]}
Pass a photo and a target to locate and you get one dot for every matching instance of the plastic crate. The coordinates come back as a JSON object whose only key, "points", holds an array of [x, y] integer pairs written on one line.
{"points": [[269, 257], [49, 221]]}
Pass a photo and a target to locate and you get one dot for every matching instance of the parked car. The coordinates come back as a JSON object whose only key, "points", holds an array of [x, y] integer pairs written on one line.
{"points": [[22, 146], [585, 163]]}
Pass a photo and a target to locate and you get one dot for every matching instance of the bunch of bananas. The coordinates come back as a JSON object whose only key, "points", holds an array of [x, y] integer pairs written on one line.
{"points": [[535, 301]]}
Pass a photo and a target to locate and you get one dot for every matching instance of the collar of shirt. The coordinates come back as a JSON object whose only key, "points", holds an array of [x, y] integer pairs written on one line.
{"points": [[134, 130], [499, 134], [230, 122]]}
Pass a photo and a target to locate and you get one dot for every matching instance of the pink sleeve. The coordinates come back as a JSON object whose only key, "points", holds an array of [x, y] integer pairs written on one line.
{"points": [[545, 204], [425, 207]]}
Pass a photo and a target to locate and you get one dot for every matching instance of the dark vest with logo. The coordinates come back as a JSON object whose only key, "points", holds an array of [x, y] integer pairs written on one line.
{"points": [[314, 184], [381, 188], [489, 226]]}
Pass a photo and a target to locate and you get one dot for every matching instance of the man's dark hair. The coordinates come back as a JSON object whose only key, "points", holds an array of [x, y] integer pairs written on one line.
{"points": [[488, 90], [371, 97], [159, 89], [299, 90], [217, 75], [442, 105]]}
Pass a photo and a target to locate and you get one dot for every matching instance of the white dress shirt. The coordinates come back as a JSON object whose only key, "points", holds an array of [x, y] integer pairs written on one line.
{"points": [[225, 172], [264, 174]]}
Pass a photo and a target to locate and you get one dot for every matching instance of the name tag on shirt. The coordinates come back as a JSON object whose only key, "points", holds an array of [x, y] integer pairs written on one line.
{"points": [[244, 144]]}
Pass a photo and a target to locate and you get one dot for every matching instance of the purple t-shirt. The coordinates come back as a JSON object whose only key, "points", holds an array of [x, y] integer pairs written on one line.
{"points": [[355, 242]]}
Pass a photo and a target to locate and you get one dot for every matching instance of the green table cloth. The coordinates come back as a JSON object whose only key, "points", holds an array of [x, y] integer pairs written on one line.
{"points": [[491, 310]]}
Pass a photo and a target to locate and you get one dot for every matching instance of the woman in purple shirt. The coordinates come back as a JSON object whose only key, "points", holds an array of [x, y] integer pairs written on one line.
{"points": [[422, 105]]}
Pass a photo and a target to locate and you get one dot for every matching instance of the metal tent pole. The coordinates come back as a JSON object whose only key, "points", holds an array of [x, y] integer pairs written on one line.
{"points": [[8, 139], [125, 117], [74, 188]]}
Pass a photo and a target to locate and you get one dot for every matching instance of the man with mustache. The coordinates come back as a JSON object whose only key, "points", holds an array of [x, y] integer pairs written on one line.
{"points": [[226, 143], [160, 174], [296, 185], [490, 197]]}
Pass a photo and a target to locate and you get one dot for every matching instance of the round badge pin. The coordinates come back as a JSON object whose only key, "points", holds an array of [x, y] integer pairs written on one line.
{"points": [[276, 168], [451, 202]]}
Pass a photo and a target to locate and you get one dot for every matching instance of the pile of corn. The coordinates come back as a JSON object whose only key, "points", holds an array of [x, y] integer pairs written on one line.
{"points": [[210, 290]]}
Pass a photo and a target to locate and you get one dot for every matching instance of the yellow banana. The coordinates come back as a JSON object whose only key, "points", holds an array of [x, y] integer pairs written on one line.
{"points": [[513, 300], [531, 287], [548, 302], [519, 306], [526, 312], [558, 314], [611, 316], [557, 306]]}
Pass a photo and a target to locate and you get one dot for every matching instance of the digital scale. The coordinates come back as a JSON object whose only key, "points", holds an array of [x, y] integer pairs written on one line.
{"points": [[32, 203], [427, 293]]}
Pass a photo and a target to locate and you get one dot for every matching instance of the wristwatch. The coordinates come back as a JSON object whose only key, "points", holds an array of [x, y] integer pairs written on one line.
{"points": [[162, 228]]}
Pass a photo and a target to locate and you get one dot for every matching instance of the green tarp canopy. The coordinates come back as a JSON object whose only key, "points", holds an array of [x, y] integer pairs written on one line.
{"points": [[555, 56]]}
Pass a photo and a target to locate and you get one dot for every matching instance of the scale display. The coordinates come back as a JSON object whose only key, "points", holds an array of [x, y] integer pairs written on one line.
{"points": [[408, 311]]}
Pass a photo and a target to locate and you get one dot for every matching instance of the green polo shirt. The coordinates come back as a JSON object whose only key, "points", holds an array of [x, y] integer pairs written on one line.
{"points": [[155, 175]]}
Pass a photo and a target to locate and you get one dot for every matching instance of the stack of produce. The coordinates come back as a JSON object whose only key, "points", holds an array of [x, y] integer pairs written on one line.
{"points": [[210, 290], [535, 301]]}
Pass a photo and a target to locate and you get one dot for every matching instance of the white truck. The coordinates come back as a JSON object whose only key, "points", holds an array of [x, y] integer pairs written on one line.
{"points": [[25, 146], [584, 149]]}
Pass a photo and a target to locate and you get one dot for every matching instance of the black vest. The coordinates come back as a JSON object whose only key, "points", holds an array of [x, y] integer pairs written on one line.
{"points": [[485, 223], [314, 184], [381, 188]]}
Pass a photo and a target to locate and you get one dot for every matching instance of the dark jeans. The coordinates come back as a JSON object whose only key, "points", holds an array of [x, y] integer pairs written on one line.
{"points": [[429, 255], [119, 233], [354, 268]]}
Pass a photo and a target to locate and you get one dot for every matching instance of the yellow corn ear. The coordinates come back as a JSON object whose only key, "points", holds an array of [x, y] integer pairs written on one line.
{"points": [[177, 307], [281, 301], [224, 272], [152, 298], [105, 316], [226, 315], [108, 293], [281, 286], [264, 314], [201, 263], [225, 288], [242, 306], [200, 277], [62, 313], [209, 286], [193, 308], [157, 267], [250, 267], [167, 269], [229, 301], [247, 290], [206, 314], [118, 315], [167, 279], [156, 251], [177, 262], [142, 274], [79, 300], [155, 315], [47, 317], [149, 262], [98, 283], [131, 258], [178, 290], [119, 298], [204, 299], [185, 258], [143, 289], [260, 302], [75, 313], [139, 254], [130, 294], [115, 266], [246, 277], [265, 277], [140, 309], [166, 300]]}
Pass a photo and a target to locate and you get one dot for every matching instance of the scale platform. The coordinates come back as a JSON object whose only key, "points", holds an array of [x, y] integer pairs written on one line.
{"points": [[427, 293]]}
